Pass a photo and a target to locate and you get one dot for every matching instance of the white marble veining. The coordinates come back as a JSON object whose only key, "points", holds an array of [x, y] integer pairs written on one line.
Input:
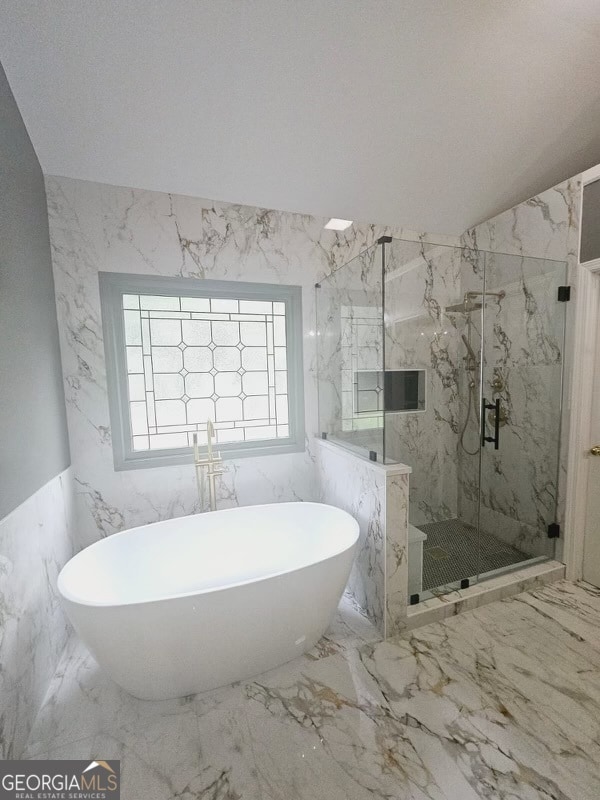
{"points": [[523, 345], [35, 543], [377, 497], [545, 226], [351, 483], [523, 348], [421, 280], [498, 587], [82, 703], [502, 702], [97, 227], [396, 550]]}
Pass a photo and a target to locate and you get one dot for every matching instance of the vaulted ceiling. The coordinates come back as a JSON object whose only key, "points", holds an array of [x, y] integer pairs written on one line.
{"points": [[433, 114]]}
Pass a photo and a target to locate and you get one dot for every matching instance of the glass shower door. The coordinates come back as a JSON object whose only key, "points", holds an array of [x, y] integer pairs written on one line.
{"points": [[451, 549], [522, 370], [433, 324], [473, 354]]}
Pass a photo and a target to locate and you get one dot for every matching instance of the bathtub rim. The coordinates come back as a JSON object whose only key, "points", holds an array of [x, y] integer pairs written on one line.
{"points": [[71, 598]]}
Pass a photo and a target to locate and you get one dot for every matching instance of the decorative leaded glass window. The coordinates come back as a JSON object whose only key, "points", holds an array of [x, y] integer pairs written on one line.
{"points": [[182, 351]]}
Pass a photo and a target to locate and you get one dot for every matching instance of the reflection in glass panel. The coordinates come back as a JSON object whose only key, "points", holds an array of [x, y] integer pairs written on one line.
{"points": [[350, 344]]}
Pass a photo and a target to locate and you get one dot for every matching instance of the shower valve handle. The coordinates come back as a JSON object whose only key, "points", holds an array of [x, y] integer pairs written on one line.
{"points": [[496, 437]]}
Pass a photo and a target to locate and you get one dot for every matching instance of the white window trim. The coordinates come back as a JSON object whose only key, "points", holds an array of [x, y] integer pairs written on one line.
{"points": [[112, 288]]}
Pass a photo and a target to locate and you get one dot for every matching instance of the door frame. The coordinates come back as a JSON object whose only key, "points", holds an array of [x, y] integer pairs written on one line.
{"points": [[586, 359]]}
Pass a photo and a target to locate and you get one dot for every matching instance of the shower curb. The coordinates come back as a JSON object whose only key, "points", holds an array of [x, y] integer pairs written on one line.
{"points": [[498, 588]]}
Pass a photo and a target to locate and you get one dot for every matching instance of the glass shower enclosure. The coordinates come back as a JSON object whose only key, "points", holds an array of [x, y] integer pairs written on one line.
{"points": [[450, 360]]}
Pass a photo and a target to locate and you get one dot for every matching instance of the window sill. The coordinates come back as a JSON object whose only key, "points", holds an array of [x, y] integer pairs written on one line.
{"points": [[185, 456]]}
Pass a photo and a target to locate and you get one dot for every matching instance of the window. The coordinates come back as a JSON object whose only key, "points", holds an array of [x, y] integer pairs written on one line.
{"points": [[181, 351]]}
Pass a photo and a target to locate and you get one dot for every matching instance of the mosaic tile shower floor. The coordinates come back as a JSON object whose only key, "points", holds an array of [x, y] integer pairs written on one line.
{"points": [[451, 553], [502, 703]]}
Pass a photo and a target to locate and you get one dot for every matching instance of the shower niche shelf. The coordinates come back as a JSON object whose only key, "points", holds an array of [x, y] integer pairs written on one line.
{"points": [[404, 390]]}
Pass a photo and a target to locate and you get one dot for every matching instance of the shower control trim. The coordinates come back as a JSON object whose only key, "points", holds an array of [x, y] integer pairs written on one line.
{"points": [[496, 437]]}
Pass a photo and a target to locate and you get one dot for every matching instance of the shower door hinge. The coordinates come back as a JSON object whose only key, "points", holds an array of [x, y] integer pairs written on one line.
{"points": [[564, 294], [553, 530]]}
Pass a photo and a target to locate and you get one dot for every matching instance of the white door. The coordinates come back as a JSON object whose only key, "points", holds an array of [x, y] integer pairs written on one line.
{"points": [[591, 551]]}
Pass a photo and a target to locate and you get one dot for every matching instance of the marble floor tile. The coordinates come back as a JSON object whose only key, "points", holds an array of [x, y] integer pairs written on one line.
{"points": [[349, 629], [502, 702]]}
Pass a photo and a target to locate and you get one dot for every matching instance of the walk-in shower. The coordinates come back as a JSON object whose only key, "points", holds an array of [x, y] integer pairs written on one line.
{"points": [[450, 360]]}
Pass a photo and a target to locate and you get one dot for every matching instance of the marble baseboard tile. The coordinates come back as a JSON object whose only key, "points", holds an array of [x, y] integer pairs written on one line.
{"points": [[498, 588], [36, 540]]}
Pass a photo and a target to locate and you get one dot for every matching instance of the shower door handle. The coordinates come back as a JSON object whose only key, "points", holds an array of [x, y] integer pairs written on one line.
{"points": [[496, 437]]}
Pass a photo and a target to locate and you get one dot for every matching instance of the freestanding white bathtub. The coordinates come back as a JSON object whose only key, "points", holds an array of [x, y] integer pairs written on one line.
{"points": [[183, 606]]}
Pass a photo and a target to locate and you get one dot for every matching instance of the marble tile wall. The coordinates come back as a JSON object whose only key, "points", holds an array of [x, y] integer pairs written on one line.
{"points": [[545, 226], [396, 549], [523, 345], [421, 280], [521, 486], [35, 542], [377, 497], [523, 357], [97, 227]]}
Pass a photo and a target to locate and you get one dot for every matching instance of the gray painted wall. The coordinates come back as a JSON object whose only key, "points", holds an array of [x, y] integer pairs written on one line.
{"points": [[590, 222], [34, 445]]}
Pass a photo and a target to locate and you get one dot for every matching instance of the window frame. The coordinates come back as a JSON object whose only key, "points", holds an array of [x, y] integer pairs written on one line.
{"points": [[113, 285]]}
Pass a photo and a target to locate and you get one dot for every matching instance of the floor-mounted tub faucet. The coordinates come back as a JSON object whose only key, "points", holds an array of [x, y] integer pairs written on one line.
{"points": [[209, 461]]}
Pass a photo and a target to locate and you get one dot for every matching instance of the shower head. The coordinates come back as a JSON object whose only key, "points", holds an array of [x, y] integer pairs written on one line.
{"points": [[463, 308], [468, 304]]}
